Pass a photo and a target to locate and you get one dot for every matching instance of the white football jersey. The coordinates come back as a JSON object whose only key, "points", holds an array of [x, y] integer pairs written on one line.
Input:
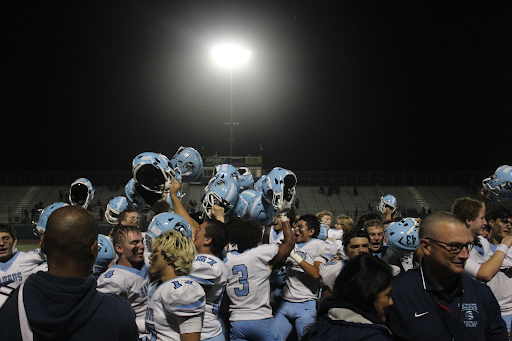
{"points": [[20, 266], [210, 272], [175, 307], [275, 238], [299, 286], [129, 283], [329, 272], [248, 284], [337, 236]]}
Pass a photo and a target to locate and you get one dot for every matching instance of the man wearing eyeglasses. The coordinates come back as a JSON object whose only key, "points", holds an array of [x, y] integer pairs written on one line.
{"points": [[437, 301]]}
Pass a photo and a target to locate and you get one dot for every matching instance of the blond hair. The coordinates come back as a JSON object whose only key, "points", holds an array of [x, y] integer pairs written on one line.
{"points": [[321, 214], [177, 250], [345, 221]]}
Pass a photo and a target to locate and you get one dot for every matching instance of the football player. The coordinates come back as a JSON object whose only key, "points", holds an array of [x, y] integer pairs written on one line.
{"points": [[16, 266], [176, 302], [129, 217], [249, 268], [209, 270], [300, 290], [375, 229], [128, 278], [355, 242], [481, 264]]}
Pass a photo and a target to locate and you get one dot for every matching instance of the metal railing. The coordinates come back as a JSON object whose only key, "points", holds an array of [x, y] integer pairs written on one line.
{"points": [[305, 178]]}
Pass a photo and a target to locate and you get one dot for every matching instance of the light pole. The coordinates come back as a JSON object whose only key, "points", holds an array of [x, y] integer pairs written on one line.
{"points": [[230, 56]]}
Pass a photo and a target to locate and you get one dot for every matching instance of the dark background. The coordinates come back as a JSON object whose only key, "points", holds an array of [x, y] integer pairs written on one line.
{"points": [[331, 85]]}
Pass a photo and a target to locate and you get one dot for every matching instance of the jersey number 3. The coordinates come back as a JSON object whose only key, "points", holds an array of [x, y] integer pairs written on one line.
{"points": [[240, 268]]}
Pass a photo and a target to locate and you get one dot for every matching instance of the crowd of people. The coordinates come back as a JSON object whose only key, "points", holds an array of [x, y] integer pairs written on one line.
{"points": [[300, 277]]}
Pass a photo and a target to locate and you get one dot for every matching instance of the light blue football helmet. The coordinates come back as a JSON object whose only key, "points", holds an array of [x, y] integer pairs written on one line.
{"points": [[40, 228], [222, 192], [244, 198], [227, 171], [245, 178], [258, 186], [279, 186], [261, 211], [387, 200], [164, 222], [106, 252], [499, 185], [138, 203], [402, 236], [324, 230], [188, 163], [114, 207], [81, 192], [153, 171]]}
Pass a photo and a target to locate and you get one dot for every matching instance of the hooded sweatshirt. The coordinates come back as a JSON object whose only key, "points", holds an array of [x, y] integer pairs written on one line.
{"points": [[68, 308], [339, 321]]}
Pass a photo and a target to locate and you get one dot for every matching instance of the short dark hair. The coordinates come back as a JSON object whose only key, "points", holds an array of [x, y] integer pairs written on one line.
{"points": [[70, 233], [361, 279], [373, 223], [8, 229], [499, 212], [122, 215], [312, 222], [365, 217], [466, 208], [218, 232], [245, 234], [354, 233], [119, 233]]}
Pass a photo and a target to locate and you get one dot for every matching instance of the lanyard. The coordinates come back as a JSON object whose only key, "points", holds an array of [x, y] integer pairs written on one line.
{"points": [[439, 309]]}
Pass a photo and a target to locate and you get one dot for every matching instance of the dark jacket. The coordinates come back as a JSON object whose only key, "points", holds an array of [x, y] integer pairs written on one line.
{"points": [[68, 308], [469, 311], [338, 320]]}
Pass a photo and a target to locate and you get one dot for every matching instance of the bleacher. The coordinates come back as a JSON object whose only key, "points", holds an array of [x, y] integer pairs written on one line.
{"points": [[14, 200]]}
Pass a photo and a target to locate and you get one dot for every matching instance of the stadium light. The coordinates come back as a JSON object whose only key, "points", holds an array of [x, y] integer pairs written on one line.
{"points": [[230, 56]]}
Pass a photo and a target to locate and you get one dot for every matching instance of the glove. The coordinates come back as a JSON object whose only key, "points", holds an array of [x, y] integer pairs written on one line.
{"points": [[284, 206]]}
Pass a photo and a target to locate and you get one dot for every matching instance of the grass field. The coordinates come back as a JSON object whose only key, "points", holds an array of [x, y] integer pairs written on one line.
{"points": [[27, 247]]}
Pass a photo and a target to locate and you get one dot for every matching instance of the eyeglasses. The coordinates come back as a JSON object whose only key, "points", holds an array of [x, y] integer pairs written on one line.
{"points": [[453, 248]]}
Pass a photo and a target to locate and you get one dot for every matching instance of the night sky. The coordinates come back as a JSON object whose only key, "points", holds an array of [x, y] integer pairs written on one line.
{"points": [[331, 85]]}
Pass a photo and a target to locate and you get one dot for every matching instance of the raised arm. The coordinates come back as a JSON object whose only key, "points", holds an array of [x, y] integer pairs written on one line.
{"points": [[486, 271], [178, 206], [288, 243]]}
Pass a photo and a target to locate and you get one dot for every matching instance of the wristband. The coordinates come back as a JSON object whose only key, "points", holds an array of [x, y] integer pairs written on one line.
{"points": [[284, 218], [503, 248], [296, 256]]}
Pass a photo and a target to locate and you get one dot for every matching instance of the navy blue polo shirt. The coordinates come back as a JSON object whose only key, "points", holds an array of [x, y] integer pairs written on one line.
{"points": [[469, 311]]}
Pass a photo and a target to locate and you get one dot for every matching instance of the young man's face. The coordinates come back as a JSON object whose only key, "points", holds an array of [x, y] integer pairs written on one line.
{"points": [[326, 219], [132, 248], [476, 225], [199, 236], [501, 227], [357, 246], [6, 247], [277, 224], [157, 263], [132, 219], [376, 234], [302, 233]]}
